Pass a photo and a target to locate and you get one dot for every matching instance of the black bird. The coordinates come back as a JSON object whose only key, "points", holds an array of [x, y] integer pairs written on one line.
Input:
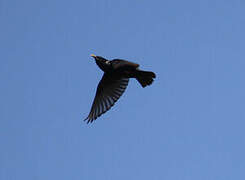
{"points": [[114, 82]]}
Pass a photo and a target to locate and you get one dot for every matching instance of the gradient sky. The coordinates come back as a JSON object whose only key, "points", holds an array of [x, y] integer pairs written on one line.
{"points": [[189, 125]]}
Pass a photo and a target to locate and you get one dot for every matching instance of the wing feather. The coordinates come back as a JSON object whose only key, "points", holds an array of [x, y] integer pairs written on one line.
{"points": [[109, 90]]}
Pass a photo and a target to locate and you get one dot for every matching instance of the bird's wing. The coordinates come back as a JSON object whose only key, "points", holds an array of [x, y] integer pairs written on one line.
{"points": [[108, 92], [119, 63]]}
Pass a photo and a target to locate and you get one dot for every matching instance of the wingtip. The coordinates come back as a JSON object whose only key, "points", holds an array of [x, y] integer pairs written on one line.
{"points": [[88, 120]]}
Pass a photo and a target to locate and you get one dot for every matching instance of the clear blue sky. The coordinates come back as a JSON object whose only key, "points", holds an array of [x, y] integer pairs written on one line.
{"points": [[188, 125]]}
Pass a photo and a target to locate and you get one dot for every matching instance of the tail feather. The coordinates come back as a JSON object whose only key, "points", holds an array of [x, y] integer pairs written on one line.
{"points": [[145, 78]]}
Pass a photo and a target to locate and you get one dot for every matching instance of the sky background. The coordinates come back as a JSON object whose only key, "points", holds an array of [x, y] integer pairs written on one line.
{"points": [[188, 125]]}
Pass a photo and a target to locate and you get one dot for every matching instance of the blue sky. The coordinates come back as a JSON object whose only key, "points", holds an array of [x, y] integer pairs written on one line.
{"points": [[188, 125]]}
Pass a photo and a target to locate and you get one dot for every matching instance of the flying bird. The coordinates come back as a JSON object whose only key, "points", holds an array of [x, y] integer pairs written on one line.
{"points": [[114, 82]]}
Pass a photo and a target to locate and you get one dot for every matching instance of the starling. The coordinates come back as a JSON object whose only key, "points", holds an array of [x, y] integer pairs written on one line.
{"points": [[114, 82]]}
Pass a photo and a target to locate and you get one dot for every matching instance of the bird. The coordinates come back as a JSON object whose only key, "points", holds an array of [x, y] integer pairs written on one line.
{"points": [[114, 82]]}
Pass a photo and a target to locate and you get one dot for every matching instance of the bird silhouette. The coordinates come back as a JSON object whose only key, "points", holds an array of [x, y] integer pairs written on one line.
{"points": [[114, 82]]}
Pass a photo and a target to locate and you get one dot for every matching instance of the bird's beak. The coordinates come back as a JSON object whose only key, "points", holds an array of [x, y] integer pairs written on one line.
{"points": [[92, 55]]}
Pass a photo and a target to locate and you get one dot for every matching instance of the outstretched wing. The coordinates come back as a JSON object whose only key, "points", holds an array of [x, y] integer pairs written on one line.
{"points": [[108, 92]]}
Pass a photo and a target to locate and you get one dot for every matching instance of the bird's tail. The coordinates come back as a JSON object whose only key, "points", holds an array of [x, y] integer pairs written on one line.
{"points": [[145, 78]]}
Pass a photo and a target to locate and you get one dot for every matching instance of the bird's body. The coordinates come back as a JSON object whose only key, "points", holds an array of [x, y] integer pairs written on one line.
{"points": [[114, 82]]}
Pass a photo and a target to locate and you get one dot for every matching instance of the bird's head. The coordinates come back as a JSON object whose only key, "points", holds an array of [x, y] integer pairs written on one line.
{"points": [[103, 63]]}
